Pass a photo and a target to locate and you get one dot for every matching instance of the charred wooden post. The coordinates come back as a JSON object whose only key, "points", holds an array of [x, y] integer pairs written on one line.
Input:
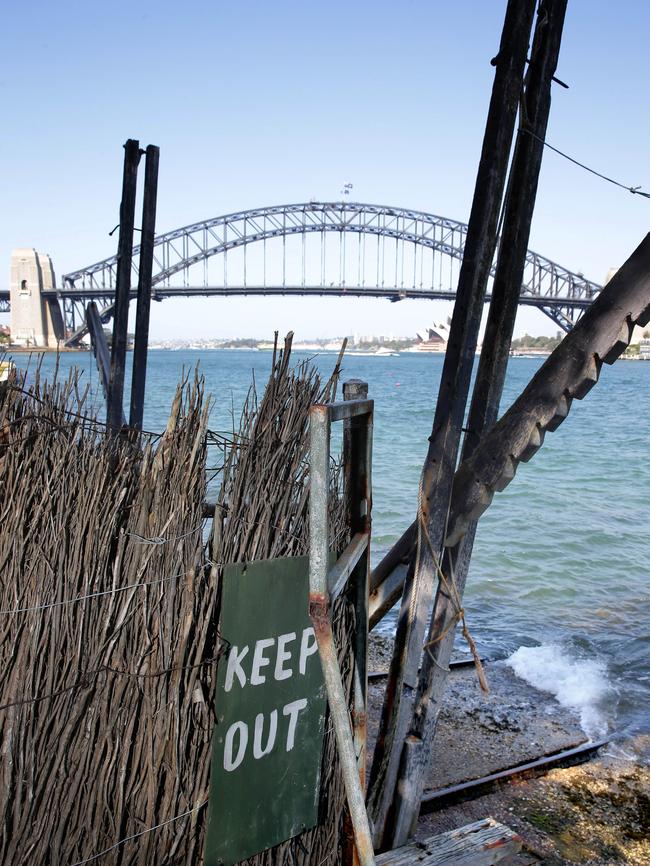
{"points": [[357, 457], [114, 409], [518, 216], [520, 202], [444, 441], [609, 327], [141, 342], [568, 374], [99, 346], [357, 467]]}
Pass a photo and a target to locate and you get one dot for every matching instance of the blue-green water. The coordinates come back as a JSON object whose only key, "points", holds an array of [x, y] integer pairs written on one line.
{"points": [[561, 561]]}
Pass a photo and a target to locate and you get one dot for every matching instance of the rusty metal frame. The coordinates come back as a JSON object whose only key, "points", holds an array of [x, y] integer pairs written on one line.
{"points": [[349, 573]]}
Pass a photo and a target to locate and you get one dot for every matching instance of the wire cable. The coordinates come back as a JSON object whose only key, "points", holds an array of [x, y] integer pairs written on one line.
{"points": [[635, 190], [141, 833], [79, 598]]}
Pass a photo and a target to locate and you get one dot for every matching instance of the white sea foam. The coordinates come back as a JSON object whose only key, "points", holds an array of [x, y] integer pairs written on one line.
{"points": [[580, 684]]}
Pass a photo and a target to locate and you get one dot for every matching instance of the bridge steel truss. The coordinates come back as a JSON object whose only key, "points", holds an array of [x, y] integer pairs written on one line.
{"points": [[555, 290]]}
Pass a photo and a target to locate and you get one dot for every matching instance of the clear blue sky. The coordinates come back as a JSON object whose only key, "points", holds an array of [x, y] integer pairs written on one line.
{"points": [[263, 103]]}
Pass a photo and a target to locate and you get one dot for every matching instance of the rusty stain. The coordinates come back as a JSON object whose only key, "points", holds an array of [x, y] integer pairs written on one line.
{"points": [[319, 613], [498, 843], [365, 851]]}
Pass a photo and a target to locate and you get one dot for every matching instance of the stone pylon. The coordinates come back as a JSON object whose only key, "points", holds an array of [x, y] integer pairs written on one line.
{"points": [[36, 319]]}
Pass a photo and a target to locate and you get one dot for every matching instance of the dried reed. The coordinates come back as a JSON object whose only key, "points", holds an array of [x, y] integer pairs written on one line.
{"points": [[109, 610]]}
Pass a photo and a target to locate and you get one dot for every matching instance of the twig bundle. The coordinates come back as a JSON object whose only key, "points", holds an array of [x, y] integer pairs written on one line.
{"points": [[109, 607], [96, 680]]}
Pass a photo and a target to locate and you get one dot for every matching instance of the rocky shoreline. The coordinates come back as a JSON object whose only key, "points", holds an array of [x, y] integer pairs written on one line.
{"points": [[595, 814]]}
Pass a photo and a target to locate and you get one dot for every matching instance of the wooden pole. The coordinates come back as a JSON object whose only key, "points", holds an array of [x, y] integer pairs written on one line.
{"points": [[388, 576], [441, 458], [114, 408], [520, 202], [99, 345], [357, 462], [141, 342]]}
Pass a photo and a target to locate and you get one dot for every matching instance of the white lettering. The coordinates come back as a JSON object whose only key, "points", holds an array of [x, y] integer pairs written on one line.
{"points": [[228, 763], [260, 661], [308, 647], [292, 711], [282, 656], [234, 668], [258, 751]]}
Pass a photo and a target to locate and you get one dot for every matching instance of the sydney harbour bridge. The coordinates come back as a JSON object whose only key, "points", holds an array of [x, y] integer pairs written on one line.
{"points": [[318, 249]]}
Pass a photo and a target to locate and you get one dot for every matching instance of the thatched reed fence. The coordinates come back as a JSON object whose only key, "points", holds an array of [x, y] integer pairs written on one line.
{"points": [[109, 610]]}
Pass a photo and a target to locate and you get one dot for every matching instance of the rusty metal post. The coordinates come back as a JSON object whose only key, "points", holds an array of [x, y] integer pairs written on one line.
{"points": [[319, 423]]}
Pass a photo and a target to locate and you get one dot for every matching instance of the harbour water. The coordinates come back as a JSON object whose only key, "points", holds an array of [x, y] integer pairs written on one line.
{"points": [[560, 578]]}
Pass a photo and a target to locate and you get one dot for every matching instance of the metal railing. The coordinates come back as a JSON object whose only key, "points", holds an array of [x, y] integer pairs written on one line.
{"points": [[348, 574]]}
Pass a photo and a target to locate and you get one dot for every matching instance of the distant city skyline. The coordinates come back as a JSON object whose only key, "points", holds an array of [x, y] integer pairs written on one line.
{"points": [[271, 103]]}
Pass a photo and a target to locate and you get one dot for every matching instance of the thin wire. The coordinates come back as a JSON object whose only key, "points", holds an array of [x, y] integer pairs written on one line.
{"points": [[141, 833], [635, 190], [85, 681], [157, 539], [95, 594], [85, 418], [153, 541], [229, 516]]}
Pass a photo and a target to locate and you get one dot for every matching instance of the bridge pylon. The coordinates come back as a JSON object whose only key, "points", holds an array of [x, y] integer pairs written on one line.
{"points": [[36, 319]]}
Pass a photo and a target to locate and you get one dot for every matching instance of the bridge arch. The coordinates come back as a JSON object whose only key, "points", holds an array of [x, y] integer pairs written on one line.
{"points": [[557, 291]]}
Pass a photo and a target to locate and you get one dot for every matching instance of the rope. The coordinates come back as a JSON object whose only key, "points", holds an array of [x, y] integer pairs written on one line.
{"points": [[453, 595]]}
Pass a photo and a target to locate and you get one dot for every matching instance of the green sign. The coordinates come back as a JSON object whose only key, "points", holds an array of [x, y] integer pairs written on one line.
{"points": [[270, 707]]}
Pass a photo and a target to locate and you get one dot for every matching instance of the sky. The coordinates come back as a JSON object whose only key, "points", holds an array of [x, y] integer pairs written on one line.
{"points": [[266, 103]]}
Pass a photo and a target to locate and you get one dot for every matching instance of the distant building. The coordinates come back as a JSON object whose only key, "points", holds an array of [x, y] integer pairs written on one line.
{"points": [[644, 349], [433, 338]]}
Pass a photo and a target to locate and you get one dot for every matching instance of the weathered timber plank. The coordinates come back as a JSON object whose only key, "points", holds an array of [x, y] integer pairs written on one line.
{"points": [[432, 801], [99, 345], [483, 843], [386, 594], [399, 554]]}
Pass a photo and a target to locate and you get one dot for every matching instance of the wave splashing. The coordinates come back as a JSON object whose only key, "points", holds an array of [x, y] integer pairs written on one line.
{"points": [[580, 684]]}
